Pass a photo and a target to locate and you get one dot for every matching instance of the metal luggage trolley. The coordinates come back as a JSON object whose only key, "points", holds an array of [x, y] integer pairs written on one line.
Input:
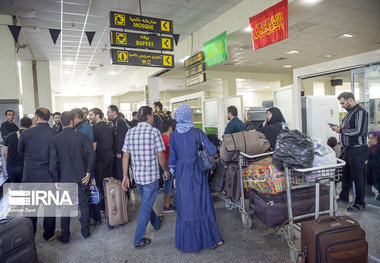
{"points": [[244, 161], [302, 178]]}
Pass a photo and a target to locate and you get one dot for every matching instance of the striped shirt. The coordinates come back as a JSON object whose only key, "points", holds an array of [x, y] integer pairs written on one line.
{"points": [[143, 142], [354, 127]]}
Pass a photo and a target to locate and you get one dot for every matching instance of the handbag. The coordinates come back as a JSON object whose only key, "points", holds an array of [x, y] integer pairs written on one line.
{"points": [[95, 194], [206, 162]]}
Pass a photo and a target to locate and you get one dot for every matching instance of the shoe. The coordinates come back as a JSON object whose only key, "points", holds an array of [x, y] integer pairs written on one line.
{"points": [[356, 208], [57, 233], [145, 242], [63, 241], [161, 219], [218, 244], [169, 209], [342, 200], [95, 223]]}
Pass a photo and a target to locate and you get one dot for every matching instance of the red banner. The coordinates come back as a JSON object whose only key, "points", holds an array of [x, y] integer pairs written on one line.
{"points": [[270, 26]]}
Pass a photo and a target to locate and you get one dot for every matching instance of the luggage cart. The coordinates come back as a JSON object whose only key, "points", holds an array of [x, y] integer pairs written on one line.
{"points": [[244, 161]]}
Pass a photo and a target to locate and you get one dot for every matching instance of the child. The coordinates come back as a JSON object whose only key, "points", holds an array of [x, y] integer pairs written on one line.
{"points": [[333, 143], [167, 127]]}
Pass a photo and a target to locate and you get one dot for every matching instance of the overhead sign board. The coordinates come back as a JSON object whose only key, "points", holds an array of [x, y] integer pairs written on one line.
{"points": [[135, 40], [195, 69], [270, 26], [140, 23], [145, 59], [195, 79], [198, 57], [216, 50]]}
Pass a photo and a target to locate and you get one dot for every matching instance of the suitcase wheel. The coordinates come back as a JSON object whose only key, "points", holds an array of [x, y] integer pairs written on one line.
{"points": [[123, 224], [246, 220], [109, 226], [229, 206]]}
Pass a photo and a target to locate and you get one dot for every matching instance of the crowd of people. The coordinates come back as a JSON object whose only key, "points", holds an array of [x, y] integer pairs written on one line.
{"points": [[82, 144]]}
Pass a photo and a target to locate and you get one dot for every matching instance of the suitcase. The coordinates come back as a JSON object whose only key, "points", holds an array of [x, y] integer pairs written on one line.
{"points": [[17, 241], [329, 239], [272, 210], [116, 202], [232, 184], [218, 178]]}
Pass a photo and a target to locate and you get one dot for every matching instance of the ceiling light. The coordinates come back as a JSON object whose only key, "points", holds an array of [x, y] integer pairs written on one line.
{"points": [[66, 72], [287, 66], [68, 62], [183, 59], [266, 87], [248, 29], [347, 35], [311, 2], [328, 56], [112, 73], [292, 52]]}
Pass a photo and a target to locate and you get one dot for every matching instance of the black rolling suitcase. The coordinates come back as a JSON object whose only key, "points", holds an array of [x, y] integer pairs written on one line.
{"points": [[218, 177], [17, 241], [272, 210]]}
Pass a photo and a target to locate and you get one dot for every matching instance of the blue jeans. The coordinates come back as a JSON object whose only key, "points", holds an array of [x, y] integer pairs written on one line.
{"points": [[15, 174], [168, 185], [148, 194]]}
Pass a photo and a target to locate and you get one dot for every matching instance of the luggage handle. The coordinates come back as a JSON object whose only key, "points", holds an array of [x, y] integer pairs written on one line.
{"points": [[317, 195], [324, 219]]}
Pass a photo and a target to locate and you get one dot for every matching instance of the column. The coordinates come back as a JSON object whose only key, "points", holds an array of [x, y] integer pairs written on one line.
{"points": [[329, 90], [229, 87], [153, 90]]}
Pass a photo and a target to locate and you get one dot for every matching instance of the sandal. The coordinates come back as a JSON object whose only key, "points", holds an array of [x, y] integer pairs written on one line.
{"points": [[145, 242], [218, 244], [161, 219]]}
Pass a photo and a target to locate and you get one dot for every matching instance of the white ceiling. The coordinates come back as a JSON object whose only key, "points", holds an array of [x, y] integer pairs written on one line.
{"points": [[314, 31], [87, 68]]}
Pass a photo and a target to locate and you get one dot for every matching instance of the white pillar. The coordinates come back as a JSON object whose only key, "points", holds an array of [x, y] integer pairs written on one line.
{"points": [[229, 87], [153, 90]]}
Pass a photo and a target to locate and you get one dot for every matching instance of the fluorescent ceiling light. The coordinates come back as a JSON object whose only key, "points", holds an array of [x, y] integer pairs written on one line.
{"points": [[183, 59], [112, 73], [287, 66], [248, 29], [68, 62], [266, 87], [292, 52], [328, 56], [347, 35], [311, 2]]}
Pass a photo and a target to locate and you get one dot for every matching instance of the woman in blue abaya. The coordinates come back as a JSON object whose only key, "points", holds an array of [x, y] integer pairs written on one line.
{"points": [[196, 227]]}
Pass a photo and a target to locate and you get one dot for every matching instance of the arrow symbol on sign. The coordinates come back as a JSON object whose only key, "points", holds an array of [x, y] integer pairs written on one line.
{"points": [[166, 43], [168, 61], [165, 25]]}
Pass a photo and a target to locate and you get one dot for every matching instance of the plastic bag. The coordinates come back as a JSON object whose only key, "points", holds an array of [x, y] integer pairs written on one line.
{"points": [[324, 155], [293, 148]]}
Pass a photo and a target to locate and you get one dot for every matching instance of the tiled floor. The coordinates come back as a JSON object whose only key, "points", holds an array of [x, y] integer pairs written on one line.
{"points": [[258, 244]]}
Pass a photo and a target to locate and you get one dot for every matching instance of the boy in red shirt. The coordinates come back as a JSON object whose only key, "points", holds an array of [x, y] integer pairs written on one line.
{"points": [[167, 127]]}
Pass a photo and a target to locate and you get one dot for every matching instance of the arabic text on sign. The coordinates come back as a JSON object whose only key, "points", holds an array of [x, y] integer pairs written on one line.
{"points": [[269, 25]]}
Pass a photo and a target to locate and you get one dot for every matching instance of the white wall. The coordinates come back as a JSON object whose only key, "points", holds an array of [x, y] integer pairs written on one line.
{"points": [[60, 102], [8, 66], [43, 83], [253, 99], [27, 87]]}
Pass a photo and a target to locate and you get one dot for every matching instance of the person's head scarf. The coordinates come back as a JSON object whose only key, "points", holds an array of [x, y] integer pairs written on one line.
{"points": [[184, 118], [376, 136], [276, 116]]}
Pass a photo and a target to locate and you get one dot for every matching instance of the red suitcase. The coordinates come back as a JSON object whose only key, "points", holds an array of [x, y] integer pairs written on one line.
{"points": [[330, 239]]}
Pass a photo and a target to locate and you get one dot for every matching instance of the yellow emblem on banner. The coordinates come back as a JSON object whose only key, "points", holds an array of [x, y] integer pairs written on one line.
{"points": [[122, 56], [167, 61], [120, 19], [165, 25]]}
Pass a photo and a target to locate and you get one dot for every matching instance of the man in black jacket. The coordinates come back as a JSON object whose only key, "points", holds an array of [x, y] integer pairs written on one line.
{"points": [[119, 130], [8, 126], [72, 159], [33, 148]]}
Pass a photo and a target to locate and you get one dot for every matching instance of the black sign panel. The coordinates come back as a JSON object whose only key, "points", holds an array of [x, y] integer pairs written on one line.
{"points": [[145, 59], [200, 56], [195, 69], [135, 40], [140, 23], [196, 79]]}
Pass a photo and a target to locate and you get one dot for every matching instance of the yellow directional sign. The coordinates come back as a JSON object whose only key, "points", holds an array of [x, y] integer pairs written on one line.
{"points": [[140, 23], [122, 56], [121, 38], [140, 40], [138, 58], [168, 60], [119, 19], [165, 25], [166, 43]]}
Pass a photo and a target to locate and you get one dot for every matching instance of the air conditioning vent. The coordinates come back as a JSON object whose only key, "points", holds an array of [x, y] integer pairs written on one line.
{"points": [[281, 58]]}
